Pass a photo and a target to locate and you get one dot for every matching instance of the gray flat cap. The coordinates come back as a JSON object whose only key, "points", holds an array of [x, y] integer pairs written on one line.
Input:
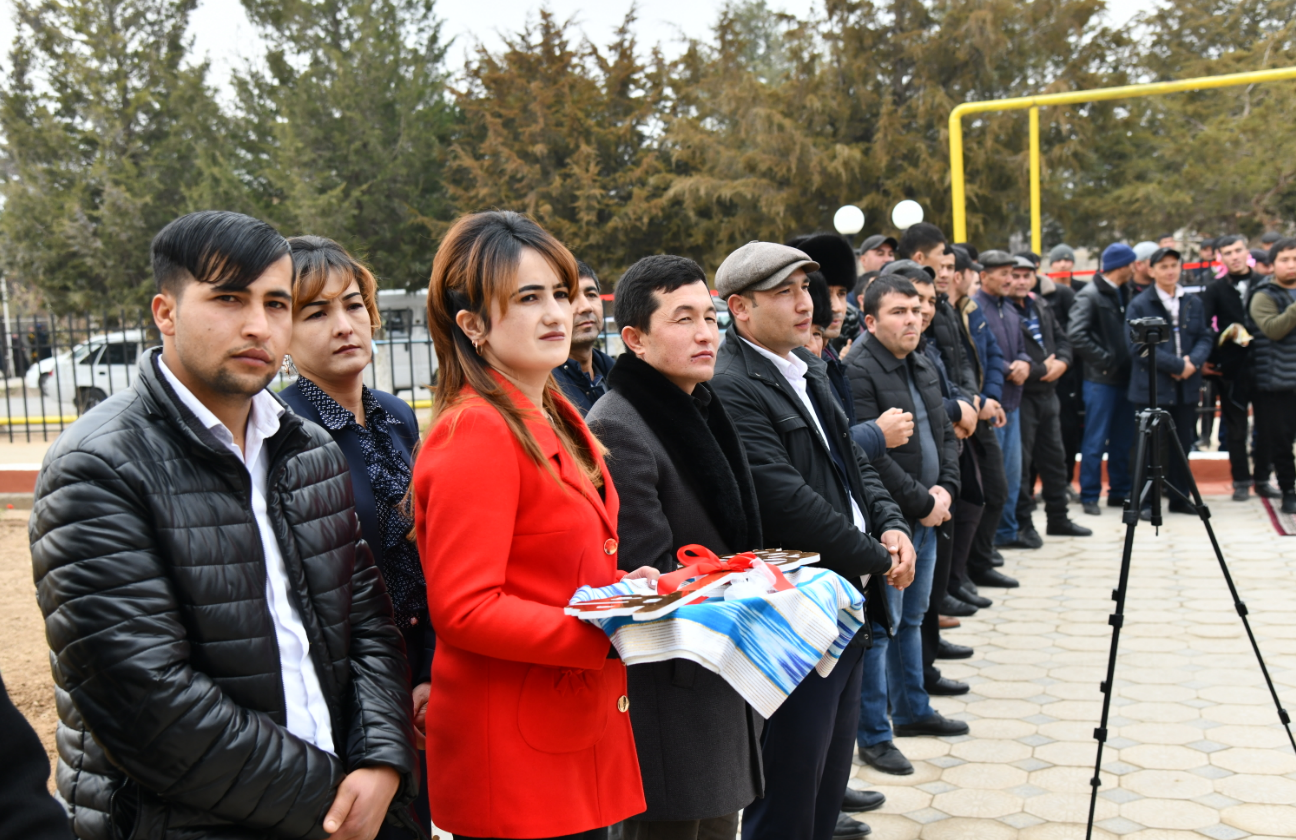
{"points": [[759, 267], [996, 259], [1024, 262]]}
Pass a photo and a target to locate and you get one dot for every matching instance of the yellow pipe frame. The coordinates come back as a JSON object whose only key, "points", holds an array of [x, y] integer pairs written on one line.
{"points": [[957, 187]]}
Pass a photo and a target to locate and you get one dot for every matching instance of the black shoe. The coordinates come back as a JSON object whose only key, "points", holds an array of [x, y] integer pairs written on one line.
{"points": [[996, 559], [1091, 508], [850, 829], [1241, 492], [989, 577], [1028, 537], [965, 593], [1267, 491], [1067, 528], [1146, 514], [949, 650], [886, 757], [856, 801], [957, 607], [1072, 494], [1289, 503], [945, 687], [1116, 501], [936, 724]]}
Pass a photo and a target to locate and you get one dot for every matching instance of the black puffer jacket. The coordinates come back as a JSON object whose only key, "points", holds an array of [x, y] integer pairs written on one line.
{"points": [[151, 576], [1097, 332]]}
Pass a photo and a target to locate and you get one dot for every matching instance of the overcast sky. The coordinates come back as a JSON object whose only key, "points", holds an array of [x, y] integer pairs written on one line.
{"points": [[221, 30]]}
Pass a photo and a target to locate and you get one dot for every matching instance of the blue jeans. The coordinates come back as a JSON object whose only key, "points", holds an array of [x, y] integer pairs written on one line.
{"points": [[1010, 442], [893, 668], [1109, 426]]}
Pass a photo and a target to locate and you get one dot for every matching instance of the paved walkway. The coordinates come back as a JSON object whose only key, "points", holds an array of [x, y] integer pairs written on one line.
{"points": [[1195, 750]]}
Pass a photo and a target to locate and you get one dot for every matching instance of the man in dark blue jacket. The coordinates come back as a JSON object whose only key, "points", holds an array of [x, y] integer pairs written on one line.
{"points": [[982, 350], [1178, 361], [1001, 315], [582, 376]]}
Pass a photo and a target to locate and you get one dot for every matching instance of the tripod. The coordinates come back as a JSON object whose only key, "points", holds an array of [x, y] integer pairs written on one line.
{"points": [[1155, 427]]}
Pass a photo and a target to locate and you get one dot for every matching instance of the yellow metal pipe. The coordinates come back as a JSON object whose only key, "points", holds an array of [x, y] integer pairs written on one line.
{"points": [[1075, 97], [1037, 236]]}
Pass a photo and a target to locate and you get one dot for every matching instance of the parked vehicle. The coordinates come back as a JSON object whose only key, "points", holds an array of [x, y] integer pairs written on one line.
{"points": [[91, 371]]}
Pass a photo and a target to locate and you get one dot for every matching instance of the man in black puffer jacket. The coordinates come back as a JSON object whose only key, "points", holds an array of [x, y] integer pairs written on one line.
{"points": [[224, 654]]}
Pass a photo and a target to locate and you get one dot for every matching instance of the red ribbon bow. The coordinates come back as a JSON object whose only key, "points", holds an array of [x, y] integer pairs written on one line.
{"points": [[690, 555]]}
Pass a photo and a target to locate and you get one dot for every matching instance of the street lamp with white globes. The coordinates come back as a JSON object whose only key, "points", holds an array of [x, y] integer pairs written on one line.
{"points": [[848, 220], [906, 214]]}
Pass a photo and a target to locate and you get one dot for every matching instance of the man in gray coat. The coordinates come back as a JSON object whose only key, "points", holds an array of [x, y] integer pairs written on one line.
{"points": [[683, 478]]}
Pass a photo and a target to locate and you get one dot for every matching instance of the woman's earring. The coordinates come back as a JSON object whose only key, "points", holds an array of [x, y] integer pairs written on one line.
{"points": [[477, 346]]}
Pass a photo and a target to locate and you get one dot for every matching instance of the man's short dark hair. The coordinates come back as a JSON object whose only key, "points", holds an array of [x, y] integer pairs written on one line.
{"points": [[971, 250], [1164, 236], [583, 270], [862, 285], [635, 300], [821, 296], [1224, 241], [883, 286], [226, 249], [919, 239], [1285, 244]]}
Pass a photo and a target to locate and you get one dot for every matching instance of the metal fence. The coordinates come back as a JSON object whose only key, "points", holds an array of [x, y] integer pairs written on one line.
{"points": [[57, 367]]}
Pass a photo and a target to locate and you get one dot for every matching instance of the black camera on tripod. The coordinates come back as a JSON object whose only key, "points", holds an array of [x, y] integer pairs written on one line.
{"points": [[1149, 331]]}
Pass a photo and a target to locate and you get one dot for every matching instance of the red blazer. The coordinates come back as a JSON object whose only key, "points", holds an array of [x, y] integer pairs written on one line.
{"points": [[527, 727]]}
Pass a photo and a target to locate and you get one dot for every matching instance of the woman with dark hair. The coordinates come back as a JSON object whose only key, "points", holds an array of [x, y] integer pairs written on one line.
{"points": [[335, 316], [527, 726]]}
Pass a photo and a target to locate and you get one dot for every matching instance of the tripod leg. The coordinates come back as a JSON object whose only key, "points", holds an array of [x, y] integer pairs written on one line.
{"points": [[1204, 512], [1117, 618]]}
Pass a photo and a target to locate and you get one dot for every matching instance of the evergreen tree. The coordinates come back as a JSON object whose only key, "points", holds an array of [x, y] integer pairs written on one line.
{"points": [[565, 132], [103, 129], [343, 134]]}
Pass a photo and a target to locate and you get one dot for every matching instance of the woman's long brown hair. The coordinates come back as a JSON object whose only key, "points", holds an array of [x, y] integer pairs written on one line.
{"points": [[477, 263]]}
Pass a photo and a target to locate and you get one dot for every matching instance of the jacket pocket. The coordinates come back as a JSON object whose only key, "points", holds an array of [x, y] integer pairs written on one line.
{"points": [[563, 710], [135, 815]]}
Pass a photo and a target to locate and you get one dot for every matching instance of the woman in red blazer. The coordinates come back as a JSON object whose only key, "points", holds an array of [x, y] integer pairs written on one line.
{"points": [[528, 731]]}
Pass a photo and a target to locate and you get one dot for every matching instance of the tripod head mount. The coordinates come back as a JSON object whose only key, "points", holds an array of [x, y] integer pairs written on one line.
{"points": [[1146, 333]]}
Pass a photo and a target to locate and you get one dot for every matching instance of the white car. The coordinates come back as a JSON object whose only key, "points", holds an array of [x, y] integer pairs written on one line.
{"points": [[90, 372]]}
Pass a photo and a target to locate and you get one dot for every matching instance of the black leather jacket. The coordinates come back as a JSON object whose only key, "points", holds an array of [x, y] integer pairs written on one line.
{"points": [[1097, 332], [151, 576]]}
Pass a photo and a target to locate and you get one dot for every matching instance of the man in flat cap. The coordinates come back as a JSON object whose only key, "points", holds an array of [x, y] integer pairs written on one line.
{"points": [[816, 492]]}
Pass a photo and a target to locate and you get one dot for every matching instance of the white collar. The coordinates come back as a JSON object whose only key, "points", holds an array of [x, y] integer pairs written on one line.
{"points": [[792, 366], [1178, 293], [263, 418]]}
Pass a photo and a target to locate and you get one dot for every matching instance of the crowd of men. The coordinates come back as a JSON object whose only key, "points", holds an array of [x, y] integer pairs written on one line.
{"points": [[968, 378]]}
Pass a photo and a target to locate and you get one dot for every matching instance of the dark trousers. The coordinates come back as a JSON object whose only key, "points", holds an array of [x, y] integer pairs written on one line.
{"points": [[940, 583], [967, 517], [1041, 436], [1071, 418], [715, 828], [1183, 416], [807, 747], [994, 486], [1275, 419], [1233, 412], [1209, 397]]}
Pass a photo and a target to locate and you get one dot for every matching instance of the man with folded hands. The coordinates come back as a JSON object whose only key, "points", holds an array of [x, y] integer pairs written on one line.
{"points": [[817, 492], [923, 477], [683, 478]]}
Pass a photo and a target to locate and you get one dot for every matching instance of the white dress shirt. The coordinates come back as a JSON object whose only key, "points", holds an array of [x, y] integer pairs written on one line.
{"points": [[794, 370], [307, 712], [1171, 303]]}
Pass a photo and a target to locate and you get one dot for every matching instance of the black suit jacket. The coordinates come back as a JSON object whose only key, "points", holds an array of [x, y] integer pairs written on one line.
{"points": [[420, 641], [803, 499]]}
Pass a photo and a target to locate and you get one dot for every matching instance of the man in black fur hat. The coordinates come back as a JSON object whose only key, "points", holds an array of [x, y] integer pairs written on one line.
{"points": [[683, 478]]}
